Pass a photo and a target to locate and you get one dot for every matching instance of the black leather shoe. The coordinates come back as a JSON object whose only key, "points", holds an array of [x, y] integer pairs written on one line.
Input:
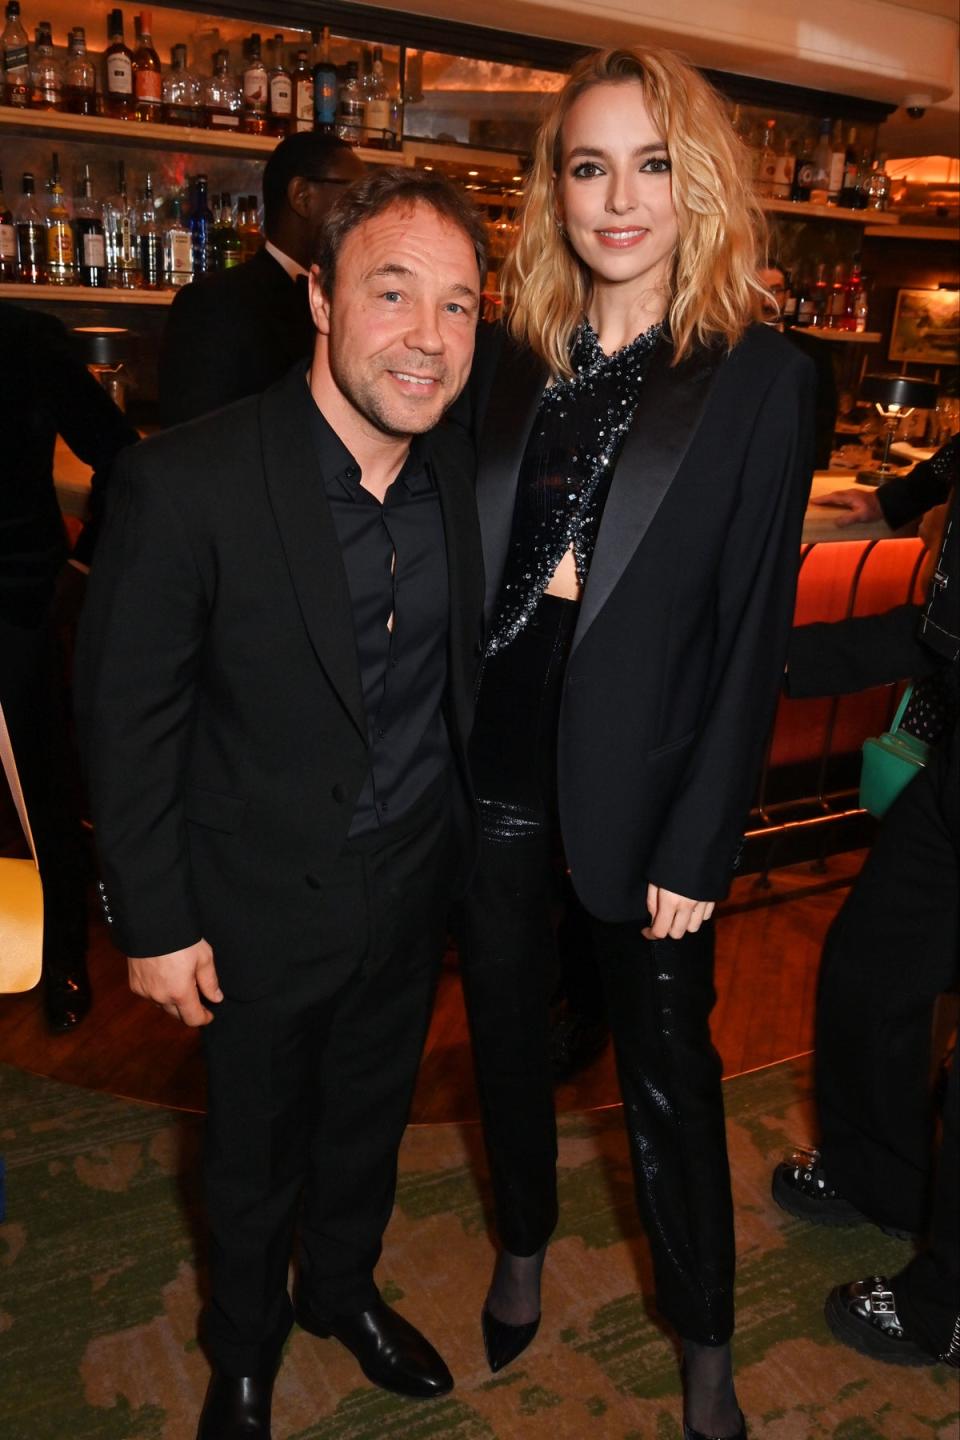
{"points": [[802, 1187], [389, 1350], [237, 1407], [502, 1342], [690, 1434], [863, 1315], [66, 997]]}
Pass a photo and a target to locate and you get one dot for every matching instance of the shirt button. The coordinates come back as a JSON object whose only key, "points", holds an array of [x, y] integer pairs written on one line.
{"points": [[352, 472], [339, 792], [381, 734], [384, 806]]}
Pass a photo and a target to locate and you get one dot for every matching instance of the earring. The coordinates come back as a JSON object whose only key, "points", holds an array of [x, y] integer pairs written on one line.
{"points": [[561, 228]]}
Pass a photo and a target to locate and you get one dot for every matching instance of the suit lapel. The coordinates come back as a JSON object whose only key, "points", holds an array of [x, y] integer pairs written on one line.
{"points": [[309, 537], [519, 380], [452, 473], [671, 405]]}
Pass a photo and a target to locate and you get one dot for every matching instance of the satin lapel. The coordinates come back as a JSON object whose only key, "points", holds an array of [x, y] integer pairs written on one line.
{"points": [[501, 442], [465, 581], [309, 537], [671, 406]]}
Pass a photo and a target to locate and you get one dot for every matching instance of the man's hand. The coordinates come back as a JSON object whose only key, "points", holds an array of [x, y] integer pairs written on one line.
{"points": [[860, 505], [673, 916], [178, 981]]}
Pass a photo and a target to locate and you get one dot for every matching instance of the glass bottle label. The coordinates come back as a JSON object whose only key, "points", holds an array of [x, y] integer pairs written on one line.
{"points": [[325, 99], [18, 58], [281, 95], [224, 120], [8, 242], [304, 99], [179, 252], [94, 251], [60, 244], [148, 85], [376, 115], [119, 75], [254, 87]]}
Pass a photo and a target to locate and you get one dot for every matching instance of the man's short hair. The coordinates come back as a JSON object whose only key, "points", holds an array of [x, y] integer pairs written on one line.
{"points": [[395, 185], [309, 155]]}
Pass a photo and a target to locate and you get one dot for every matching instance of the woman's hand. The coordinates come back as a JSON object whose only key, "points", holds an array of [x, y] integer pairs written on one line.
{"points": [[672, 916]]}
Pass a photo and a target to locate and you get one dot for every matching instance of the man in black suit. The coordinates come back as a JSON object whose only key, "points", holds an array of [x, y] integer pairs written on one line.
{"points": [[46, 391], [233, 334], [276, 677]]}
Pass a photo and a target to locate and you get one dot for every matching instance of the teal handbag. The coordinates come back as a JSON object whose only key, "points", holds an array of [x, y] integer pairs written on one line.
{"points": [[890, 761]]}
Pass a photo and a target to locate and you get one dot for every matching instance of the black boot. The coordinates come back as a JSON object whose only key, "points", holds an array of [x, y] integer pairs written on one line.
{"points": [[237, 1407]]}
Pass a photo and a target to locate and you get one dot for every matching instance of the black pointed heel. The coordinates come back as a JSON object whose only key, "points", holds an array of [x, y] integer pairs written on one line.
{"points": [[690, 1434], [502, 1342]]}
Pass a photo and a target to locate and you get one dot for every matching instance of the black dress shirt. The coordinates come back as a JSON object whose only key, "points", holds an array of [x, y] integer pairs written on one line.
{"points": [[396, 563]]}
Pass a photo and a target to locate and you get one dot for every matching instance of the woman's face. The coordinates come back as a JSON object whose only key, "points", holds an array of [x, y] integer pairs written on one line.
{"points": [[614, 194]]}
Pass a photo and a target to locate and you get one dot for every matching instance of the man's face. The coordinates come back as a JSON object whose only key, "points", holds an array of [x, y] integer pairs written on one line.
{"points": [[401, 322]]}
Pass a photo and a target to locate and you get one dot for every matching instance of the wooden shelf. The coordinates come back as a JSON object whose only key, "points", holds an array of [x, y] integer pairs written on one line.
{"points": [[86, 295], [857, 337], [916, 232], [800, 208]]}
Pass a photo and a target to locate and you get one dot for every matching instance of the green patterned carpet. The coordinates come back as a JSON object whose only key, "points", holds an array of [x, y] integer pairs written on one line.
{"points": [[99, 1291]]}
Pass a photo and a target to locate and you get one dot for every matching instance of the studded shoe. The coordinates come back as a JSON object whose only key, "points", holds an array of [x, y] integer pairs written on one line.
{"points": [[802, 1187], [863, 1315]]}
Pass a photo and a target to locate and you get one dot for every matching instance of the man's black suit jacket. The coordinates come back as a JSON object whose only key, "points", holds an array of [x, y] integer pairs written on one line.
{"points": [[218, 686], [679, 647], [231, 335], [46, 391]]}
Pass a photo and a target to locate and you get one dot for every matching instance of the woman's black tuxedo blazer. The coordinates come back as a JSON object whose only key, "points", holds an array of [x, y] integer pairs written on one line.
{"points": [[680, 643]]}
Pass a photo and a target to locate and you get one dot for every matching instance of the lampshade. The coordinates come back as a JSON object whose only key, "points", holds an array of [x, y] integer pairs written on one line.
{"points": [[103, 344], [901, 390]]}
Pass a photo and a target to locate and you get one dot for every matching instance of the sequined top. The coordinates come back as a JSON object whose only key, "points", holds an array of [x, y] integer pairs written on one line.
{"points": [[566, 471]]}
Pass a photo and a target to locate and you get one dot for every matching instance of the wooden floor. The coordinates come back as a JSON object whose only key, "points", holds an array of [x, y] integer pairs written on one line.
{"points": [[768, 947]]}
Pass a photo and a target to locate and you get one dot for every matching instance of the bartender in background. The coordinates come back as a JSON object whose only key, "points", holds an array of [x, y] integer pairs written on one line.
{"points": [[232, 335], [46, 391]]}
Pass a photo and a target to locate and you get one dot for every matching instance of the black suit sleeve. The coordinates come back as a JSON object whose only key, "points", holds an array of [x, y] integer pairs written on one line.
{"points": [[906, 497], [843, 656], [137, 663], [697, 847], [204, 353]]}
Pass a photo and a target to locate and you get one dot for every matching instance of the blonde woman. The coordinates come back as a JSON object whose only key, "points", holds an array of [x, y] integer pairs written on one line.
{"points": [[644, 458]]}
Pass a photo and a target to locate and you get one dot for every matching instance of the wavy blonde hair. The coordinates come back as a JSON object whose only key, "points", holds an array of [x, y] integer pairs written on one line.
{"points": [[715, 292]]}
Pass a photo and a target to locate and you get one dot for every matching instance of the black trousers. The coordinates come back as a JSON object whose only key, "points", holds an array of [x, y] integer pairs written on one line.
{"points": [[659, 996], [891, 951], [309, 1090], [31, 692]]}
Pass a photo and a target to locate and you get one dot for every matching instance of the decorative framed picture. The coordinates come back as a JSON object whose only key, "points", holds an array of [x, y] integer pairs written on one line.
{"points": [[926, 327]]}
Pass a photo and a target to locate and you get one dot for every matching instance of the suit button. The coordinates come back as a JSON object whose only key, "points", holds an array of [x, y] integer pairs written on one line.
{"points": [[340, 792], [313, 882]]}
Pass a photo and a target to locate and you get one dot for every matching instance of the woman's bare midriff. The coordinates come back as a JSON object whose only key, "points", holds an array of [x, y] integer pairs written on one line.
{"points": [[564, 581]]}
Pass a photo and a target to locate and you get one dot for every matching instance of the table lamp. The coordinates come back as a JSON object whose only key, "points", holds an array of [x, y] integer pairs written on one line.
{"points": [[104, 349], [896, 397]]}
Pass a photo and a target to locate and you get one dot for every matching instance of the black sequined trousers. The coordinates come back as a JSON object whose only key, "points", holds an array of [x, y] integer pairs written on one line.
{"points": [[659, 995]]}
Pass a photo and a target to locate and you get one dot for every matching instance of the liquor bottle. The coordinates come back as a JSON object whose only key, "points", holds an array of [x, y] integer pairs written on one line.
{"points": [[376, 106], [91, 242], [788, 310], [179, 91], [256, 87], [16, 58], [822, 156], [853, 290], [61, 258], [837, 161], [118, 96], [279, 92], [149, 241], [302, 107], [200, 224], [220, 96], [147, 77], [177, 248], [8, 241], [851, 171], [878, 185], [350, 106], [226, 240], [821, 294], [31, 236], [249, 228], [804, 314], [46, 72], [785, 163], [803, 172], [766, 159], [325, 88], [79, 76], [120, 235], [837, 301], [741, 125]]}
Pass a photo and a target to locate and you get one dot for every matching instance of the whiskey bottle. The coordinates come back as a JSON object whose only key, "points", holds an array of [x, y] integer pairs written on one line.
{"points": [[16, 58], [302, 107], [31, 236], [324, 88], [8, 241], [376, 106], [80, 76], [149, 241], [837, 300], [248, 225], [46, 72], [177, 248], [221, 96], [147, 78], [120, 235], [179, 91], [61, 261], [91, 242], [280, 92], [226, 240], [255, 90], [118, 96], [350, 106]]}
